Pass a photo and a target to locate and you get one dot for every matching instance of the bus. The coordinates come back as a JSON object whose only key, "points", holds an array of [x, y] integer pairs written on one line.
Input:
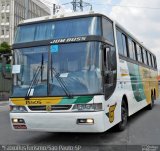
{"points": [[79, 72]]}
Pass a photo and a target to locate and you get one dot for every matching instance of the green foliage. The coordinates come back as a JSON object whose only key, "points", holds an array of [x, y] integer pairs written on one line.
{"points": [[5, 48]]}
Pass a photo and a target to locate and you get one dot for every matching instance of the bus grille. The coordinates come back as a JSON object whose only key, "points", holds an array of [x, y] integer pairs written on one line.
{"points": [[53, 107]]}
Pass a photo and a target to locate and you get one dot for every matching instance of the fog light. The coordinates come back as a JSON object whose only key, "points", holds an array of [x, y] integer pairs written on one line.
{"points": [[85, 121], [21, 121], [90, 121], [15, 120]]}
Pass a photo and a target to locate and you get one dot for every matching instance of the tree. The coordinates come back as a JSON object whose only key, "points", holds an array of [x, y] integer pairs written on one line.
{"points": [[5, 48]]}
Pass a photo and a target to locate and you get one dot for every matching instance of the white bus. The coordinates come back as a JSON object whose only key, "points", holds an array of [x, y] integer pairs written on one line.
{"points": [[79, 73]]}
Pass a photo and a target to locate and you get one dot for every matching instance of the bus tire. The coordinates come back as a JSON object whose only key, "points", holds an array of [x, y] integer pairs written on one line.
{"points": [[151, 105], [124, 117]]}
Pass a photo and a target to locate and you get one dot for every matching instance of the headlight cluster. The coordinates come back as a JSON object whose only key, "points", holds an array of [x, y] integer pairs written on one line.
{"points": [[14, 108], [87, 107]]}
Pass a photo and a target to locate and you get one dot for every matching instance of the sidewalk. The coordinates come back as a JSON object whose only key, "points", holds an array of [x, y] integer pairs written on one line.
{"points": [[4, 106], [4, 103]]}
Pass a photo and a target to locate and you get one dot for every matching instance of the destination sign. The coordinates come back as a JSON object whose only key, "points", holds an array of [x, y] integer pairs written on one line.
{"points": [[66, 40]]}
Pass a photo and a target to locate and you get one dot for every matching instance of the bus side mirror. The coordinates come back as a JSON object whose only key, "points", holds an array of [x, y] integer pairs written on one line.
{"points": [[107, 66], [5, 69], [108, 75]]}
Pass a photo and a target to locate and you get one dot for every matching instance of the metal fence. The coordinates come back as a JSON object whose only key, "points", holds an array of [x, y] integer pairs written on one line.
{"points": [[5, 84]]}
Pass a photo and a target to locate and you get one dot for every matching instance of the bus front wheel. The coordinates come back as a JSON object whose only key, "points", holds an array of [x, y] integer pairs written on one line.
{"points": [[124, 117]]}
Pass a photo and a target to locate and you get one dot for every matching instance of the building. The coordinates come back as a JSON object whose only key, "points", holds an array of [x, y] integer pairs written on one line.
{"points": [[14, 11]]}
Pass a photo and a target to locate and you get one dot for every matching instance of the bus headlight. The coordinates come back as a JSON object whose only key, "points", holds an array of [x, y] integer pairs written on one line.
{"points": [[14, 108], [87, 107]]}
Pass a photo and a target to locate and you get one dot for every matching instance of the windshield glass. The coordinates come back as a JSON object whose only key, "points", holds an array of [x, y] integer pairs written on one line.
{"points": [[76, 64], [33, 63], [58, 29]]}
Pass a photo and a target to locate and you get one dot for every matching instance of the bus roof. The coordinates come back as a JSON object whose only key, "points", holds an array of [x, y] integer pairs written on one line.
{"points": [[58, 16]]}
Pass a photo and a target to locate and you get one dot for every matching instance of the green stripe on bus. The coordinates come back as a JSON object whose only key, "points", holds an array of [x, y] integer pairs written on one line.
{"points": [[83, 99], [76, 100], [136, 81], [67, 101]]}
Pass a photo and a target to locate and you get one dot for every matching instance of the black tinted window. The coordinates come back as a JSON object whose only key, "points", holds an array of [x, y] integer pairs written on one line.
{"points": [[149, 59], [155, 62], [124, 41], [152, 61]]}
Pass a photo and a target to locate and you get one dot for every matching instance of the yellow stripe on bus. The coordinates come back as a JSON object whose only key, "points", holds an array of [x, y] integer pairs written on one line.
{"points": [[123, 75], [36, 101]]}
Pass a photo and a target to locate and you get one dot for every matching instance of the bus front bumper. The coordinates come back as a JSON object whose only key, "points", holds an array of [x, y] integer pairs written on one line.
{"points": [[59, 122]]}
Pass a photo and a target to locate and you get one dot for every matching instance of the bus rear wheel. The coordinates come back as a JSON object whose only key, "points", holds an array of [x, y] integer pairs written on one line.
{"points": [[124, 117], [150, 106]]}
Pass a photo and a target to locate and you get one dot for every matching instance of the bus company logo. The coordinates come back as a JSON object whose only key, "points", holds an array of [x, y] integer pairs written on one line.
{"points": [[48, 108], [33, 102], [65, 40], [111, 112]]}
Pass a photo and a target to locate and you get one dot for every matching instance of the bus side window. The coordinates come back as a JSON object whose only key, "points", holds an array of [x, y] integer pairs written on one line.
{"points": [[139, 55], [124, 39], [120, 43], [149, 59], [144, 56], [107, 59], [155, 63], [132, 52], [108, 30]]}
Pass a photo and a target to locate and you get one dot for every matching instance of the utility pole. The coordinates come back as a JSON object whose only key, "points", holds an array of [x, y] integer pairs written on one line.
{"points": [[54, 9], [80, 4], [74, 3]]}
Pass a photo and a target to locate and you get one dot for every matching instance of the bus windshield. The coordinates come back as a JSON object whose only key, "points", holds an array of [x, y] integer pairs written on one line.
{"points": [[77, 64], [58, 29]]}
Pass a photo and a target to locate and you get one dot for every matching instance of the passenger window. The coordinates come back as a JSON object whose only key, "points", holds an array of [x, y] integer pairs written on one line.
{"points": [[139, 54], [124, 41], [145, 56], [131, 45], [108, 30], [120, 43], [149, 59], [153, 62]]}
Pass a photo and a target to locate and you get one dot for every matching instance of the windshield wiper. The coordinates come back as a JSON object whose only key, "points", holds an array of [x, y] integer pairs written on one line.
{"points": [[60, 80], [34, 79]]}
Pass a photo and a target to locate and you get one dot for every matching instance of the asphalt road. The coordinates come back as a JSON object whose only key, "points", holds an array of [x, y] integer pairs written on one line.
{"points": [[143, 128]]}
